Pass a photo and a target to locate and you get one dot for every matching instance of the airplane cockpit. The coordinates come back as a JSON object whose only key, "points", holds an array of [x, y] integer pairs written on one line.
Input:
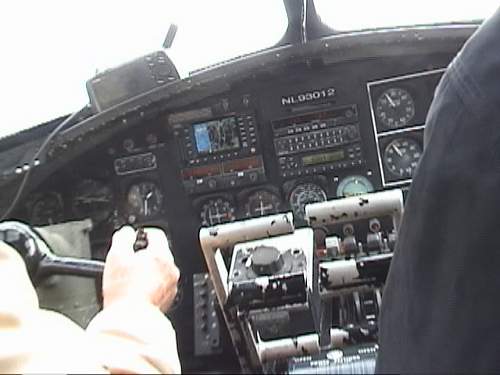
{"points": [[279, 176]]}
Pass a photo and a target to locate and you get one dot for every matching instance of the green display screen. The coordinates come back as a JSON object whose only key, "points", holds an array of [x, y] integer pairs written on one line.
{"points": [[327, 157]]}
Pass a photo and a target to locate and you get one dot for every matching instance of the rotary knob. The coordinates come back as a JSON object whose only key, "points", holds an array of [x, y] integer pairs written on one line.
{"points": [[267, 260], [212, 184], [352, 133]]}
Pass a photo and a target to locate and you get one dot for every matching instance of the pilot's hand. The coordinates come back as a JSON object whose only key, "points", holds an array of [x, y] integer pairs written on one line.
{"points": [[148, 276]]}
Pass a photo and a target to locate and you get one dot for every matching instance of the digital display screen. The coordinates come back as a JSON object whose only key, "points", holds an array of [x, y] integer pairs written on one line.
{"points": [[327, 157], [216, 136]]}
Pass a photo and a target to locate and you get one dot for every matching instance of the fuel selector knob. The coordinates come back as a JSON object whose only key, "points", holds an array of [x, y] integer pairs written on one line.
{"points": [[267, 261], [253, 176]]}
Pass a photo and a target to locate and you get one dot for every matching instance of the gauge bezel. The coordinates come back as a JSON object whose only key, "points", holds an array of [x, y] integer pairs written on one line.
{"points": [[254, 192], [43, 196], [76, 211], [344, 181], [202, 206], [138, 215], [299, 213], [387, 168], [384, 121]]}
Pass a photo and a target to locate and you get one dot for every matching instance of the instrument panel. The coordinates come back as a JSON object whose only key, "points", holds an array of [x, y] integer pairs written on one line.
{"points": [[117, 184], [235, 162]]}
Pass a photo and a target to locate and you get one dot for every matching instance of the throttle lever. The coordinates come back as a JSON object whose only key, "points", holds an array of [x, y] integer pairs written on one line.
{"points": [[141, 240]]}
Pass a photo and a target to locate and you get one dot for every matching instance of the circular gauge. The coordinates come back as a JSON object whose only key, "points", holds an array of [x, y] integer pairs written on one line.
{"points": [[395, 108], [401, 157], [47, 209], [128, 144], [262, 203], [152, 139], [354, 185], [144, 199], [93, 199], [217, 211], [304, 194]]}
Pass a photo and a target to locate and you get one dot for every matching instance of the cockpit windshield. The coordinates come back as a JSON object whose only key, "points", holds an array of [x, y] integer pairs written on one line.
{"points": [[361, 14], [54, 46]]}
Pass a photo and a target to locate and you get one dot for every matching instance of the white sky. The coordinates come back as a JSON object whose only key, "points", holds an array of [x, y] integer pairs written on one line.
{"points": [[50, 48]]}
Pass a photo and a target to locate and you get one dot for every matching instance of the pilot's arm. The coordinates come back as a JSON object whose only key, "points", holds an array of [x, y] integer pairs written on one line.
{"points": [[130, 334], [440, 309]]}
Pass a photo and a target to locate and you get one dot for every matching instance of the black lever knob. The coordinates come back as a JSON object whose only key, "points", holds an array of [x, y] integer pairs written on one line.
{"points": [[266, 260], [141, 240]]}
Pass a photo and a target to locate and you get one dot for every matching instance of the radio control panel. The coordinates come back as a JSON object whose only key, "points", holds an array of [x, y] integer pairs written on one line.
{"points": [[303, 165], [318, 142]]}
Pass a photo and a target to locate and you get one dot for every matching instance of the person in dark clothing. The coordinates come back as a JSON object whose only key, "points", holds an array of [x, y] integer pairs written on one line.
{"points": [[441, 304]]}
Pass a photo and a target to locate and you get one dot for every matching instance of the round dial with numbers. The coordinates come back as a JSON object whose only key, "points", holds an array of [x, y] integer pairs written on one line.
{"points": [[93, 199], [395, 108], [47, 209], [401, 157], [354, 185], [302, 195], [217, 211], [144, 199]]}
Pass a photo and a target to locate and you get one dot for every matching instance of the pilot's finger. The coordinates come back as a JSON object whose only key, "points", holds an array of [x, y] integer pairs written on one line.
{"points": [[158, 242], [123, 241]]}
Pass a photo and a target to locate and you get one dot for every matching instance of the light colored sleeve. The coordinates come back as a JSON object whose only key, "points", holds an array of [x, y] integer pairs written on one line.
{"points": [[123, 338], [135, 338], [34, 340]]}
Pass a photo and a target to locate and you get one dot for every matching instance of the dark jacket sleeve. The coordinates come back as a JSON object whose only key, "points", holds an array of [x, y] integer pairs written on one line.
{"points": [[440, 309]]}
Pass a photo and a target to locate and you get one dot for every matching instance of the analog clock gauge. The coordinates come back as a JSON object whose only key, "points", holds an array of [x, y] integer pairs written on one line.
{"points": [[144, 199], [401, 157], [395, 108]]}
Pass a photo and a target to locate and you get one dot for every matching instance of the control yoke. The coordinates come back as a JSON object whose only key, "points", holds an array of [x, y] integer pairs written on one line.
{"points": [[41, 262]]}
